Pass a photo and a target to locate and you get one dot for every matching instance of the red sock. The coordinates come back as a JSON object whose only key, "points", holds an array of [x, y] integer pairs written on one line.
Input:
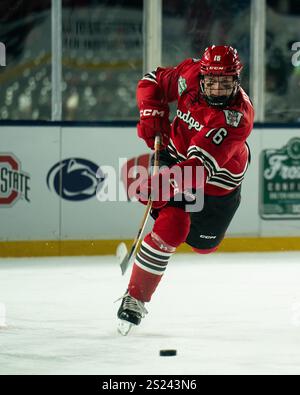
{"points": [[148, 269], [170, 230]]}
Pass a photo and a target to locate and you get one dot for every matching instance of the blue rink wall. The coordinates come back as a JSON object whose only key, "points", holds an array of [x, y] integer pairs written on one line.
{"points": [[41, 215]]}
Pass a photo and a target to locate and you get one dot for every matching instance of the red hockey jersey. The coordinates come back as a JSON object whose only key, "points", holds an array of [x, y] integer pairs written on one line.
{"points": [[216, 137]]}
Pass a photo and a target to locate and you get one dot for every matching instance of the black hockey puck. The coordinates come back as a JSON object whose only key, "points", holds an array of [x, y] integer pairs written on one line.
{"points": [[168, 353]]}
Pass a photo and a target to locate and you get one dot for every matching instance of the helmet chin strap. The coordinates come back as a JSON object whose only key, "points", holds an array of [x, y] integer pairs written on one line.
{"points": [[218, 101]]}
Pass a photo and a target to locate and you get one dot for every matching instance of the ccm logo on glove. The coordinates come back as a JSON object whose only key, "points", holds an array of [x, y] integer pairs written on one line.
{"points": [[152, 113]]}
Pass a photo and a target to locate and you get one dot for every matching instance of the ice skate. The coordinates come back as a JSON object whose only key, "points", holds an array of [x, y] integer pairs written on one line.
{"points": [[130, 313]]}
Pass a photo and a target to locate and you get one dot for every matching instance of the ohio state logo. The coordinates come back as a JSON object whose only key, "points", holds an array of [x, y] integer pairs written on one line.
{"points": [[14, 183]]}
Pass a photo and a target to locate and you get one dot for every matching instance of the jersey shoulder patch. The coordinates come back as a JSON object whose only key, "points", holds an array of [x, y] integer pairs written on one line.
{"points": [[182, 85], [233, 118]]}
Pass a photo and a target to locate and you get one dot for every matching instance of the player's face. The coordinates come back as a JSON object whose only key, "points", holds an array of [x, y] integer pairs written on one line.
{"points": [[218, 85]]}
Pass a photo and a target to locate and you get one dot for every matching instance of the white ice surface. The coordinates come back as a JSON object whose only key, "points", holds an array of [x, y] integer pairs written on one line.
{"points": [[224, 313]]}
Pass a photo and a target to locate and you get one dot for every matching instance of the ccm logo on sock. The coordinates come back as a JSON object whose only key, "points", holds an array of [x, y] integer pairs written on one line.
{"points": [[153, 113]]}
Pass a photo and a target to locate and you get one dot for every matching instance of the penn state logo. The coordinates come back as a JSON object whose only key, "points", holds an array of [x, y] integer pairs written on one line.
{"points": [[75, 179]]}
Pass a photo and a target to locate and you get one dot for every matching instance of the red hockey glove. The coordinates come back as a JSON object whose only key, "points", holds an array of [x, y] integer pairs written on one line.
{"points": [[169, 182], [151, 187], [154, 119]]}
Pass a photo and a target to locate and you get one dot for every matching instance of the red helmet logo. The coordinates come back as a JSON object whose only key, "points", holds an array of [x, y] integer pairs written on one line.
{"points": [[220, 60]]}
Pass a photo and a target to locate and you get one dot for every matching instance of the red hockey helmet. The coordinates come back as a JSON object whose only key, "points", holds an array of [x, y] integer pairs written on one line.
{"points": [[220, 69], [220, 60]]}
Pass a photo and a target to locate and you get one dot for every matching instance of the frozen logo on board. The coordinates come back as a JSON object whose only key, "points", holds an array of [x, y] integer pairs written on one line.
{"points": [[75, 179], [280, 176], [14, 183]]}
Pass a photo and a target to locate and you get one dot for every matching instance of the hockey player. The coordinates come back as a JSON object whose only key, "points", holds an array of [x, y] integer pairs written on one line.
{"points": [[214, 119]]}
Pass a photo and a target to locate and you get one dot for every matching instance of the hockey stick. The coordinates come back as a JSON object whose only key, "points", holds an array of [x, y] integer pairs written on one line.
{"points": [[123, 255]]}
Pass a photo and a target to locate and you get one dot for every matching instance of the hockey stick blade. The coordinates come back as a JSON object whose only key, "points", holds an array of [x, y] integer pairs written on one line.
{"points": [[123, 257]]}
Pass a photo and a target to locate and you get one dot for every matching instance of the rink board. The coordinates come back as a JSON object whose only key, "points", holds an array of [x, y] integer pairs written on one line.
{"points": [[36, 219], [109, 247]]}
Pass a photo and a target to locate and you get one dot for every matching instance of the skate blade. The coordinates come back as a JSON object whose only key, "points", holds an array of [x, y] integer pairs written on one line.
{"points": [[124, 327]]}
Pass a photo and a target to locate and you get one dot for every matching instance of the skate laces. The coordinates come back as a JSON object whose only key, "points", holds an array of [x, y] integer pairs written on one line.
{"points": [[132, 304]]}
